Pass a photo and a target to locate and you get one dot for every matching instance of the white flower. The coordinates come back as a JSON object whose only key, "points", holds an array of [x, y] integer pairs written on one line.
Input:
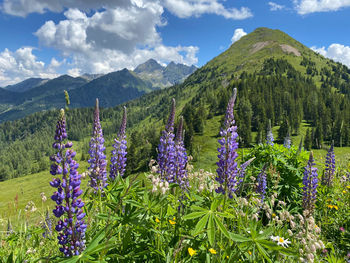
{"points": [[283, 242]]}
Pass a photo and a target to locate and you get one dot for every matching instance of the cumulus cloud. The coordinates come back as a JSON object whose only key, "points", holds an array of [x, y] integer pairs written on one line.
{"points": [[311, 6], [180, 8], [337, 52], [108, 35], [275, 7], [188, 8], [112, 39], [239, 32], [22, 64]]}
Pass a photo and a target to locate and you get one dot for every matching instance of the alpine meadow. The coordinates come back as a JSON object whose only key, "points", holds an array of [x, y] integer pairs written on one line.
{"points": [[244, 159]]}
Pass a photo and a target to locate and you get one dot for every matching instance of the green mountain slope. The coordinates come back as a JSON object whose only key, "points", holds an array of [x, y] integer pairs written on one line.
{"points": [[26, 84], [281, 80]]}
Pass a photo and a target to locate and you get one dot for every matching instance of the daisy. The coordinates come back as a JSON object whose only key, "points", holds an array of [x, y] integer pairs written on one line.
{"points": [[283, 242]]}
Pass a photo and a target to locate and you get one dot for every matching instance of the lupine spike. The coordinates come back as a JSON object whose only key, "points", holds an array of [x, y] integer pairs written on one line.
{"points": [[261, 188], [118, 159], [242, 169], [47, 226], [181, 158], [166, 150], [328, 175], [269, 137], [227, 171], [98, 163], [310, 182], [287, 141], [71, 227]]}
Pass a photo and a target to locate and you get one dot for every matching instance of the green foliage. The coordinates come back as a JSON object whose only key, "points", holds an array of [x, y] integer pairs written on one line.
{"points": [[285, 173]]}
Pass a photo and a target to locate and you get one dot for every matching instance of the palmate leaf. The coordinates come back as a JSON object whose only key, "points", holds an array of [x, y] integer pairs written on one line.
{"points": [[221, 226], [201, 225], [238, 238], [211, 230], [194, 215]]}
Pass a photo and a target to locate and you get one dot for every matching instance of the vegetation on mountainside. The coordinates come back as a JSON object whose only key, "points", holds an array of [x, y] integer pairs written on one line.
{"points": [[279, 208]]}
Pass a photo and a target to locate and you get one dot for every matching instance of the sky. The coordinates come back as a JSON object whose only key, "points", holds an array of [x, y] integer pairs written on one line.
{"points": [[47, 38]]}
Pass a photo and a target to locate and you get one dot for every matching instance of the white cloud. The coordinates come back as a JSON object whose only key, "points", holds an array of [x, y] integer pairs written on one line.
{"points": [[180, 8], [21, 64], [112, 39], [337, 52], [311, 6], [275, 7], [108, 35], [188, 8], [239, 32]]}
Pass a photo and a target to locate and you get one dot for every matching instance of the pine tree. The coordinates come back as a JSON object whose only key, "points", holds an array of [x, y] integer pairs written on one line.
{"points": [[307, 141]]}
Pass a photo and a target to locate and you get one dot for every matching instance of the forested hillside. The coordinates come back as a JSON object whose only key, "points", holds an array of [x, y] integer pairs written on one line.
{"points": [[278, 79]]}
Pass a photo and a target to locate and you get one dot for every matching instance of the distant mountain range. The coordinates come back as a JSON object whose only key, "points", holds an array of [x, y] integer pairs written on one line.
{"points": [[160, 76], [36, 94]]}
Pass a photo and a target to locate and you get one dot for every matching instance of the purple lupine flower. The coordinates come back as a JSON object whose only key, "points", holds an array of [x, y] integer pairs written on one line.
{"points": [[227, 170], [180, 158], [71, 227], [328, 174], [9, 227], [98, 163], [166, 150], [242, 170], [261, 187], [310, 182], [47, 225], [118, 159], [287, 141], [269, 136]]}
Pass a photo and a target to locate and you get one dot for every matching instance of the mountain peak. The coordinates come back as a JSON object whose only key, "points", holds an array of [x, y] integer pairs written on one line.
{"points": [[274, 40], [149, 66]]}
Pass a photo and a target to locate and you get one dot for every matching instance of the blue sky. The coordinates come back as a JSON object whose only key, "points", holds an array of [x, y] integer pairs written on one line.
{"points": [[46, 38]]}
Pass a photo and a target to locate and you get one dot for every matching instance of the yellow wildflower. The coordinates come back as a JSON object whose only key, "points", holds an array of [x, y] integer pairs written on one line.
{"points": [[191, 251], [157, 220], [330, 206], [249, 252], [273, 215], [172, 222], [335, 207], [348, 186], [212, 250], [344, 192]]}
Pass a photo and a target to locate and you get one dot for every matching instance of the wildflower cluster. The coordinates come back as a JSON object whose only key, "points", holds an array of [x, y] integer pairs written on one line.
{"points": [[261, 187], [118, 159], [328, 175], [287, 141], [269, 136], [172, 157], [71, 227], [166, 149], [229, 175], [227, 166], [310, 182], [98, 163]]}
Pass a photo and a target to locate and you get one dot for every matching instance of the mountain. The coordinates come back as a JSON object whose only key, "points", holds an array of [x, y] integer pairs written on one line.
{"points": [[162, 77], [35, 94], [176, 73], [277, 78], [26, 84], [90, 77], [150, 66], [111, 89]]}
